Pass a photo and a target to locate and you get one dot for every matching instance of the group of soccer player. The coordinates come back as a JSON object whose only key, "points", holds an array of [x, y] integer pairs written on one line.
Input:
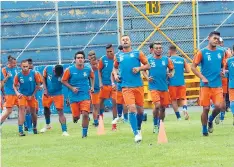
{"points": [[118, 76]]}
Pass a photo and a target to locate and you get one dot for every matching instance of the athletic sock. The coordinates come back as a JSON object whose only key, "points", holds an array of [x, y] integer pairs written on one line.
{"points": [[47, 120], [125, 116], [211, 118], [177, 113], [120, 110], [84, 131], [204, 129], [20, 128], [139, 121], [133, 122], [156, 121], [64, 127], [28, 117], [222, 114]]}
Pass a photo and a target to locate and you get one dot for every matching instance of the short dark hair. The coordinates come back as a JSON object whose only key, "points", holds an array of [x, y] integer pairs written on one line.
{"points": [[30, 61], [151, 45], [172, 47], [58, 70], [80, 52], [24, 61], [120, 47], [108, 46], [214, 33], [9, 58]]}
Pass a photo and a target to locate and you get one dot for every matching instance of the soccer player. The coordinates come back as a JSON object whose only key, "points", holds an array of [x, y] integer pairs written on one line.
{"points": [[26, 84], [11, 99], [76, 78], [210, 59], [230, 68], [28, 116], [2, 83], [121, 107], [158, 87], [226, 102], [177, 89], [53, 94], [129, 64], [95, 95], [105, 70], [91, 55]]}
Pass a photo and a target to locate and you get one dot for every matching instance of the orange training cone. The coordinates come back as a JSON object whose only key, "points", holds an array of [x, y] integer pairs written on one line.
{"points": [[101, 130], [162, 137]]}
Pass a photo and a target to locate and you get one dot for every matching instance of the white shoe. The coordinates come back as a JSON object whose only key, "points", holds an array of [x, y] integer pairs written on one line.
{"points": [[47, 127], [138, 138], [65, 134], [115, 121]]}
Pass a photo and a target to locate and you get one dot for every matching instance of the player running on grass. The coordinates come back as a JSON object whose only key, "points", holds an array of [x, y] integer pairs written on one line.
{"points": [[226, 102], [210, 59], [95, 100], [28, 116], [11, 99], [129, 64], [26, 84], [157, 78], [107, 91], [76, 78], [53, 94], [230, 71], [177, 89]]}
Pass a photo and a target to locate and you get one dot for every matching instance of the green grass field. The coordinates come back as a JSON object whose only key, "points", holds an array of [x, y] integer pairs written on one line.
{"points": [[186, 147]]}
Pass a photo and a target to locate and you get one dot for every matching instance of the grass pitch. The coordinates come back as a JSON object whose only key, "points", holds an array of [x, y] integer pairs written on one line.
{"points": [[186, 148]]}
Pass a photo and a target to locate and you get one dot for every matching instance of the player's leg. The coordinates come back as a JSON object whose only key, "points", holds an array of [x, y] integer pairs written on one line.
{"points": [[105, 93], [217, 98], [156, 111], [85, 108], [165, 101], [119, 104], [28, 121], [222, 112], [183, 100], [96, 107], [139, 96], [46, 102], [22, 110], [204, 120], [59, 104], [227, 102], [34, 120], [75, 109], [21, 120], [32, 104], [205, 102], [10, 100], [114, 112], [129, 99], [173, 94], [156, 120], [121, 107], [125, 113]]}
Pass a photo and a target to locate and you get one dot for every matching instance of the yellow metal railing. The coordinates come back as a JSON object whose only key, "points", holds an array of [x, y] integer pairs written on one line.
{"points": [[159, 30]]}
